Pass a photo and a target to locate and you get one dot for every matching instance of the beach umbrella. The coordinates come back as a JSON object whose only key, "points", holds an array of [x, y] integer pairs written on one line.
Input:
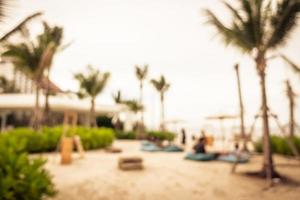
{"points": [[221, 119]]}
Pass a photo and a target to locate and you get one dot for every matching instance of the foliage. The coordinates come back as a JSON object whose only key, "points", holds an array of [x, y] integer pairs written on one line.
{"points": [[257, 25], [104, 121], [279, 145], [7, 86], [133, 105], [117, 97], [22, 178], [91, 84], [160, 84], [47, 139], [160, 135], [122, 135], [141, 73]]}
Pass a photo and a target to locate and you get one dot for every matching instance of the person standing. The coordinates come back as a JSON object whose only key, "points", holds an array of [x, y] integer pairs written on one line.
{"points": [[183, 137]]}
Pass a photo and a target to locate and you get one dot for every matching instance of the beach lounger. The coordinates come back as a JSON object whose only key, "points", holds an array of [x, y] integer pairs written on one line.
{"points": [[172, 148], [151, 148], [200, 156], [234, 159]]}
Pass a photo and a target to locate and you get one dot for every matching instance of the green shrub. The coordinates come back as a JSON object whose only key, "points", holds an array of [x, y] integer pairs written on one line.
{"points": [[125, 135], [279, 145], [48, 139], [20, 177], [161, 135]]}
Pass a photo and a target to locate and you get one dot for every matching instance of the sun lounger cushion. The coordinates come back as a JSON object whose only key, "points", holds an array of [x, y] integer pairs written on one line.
{"points": [[146, 143], [172, 148], [200, 156], [150, 148], [234, 159]]}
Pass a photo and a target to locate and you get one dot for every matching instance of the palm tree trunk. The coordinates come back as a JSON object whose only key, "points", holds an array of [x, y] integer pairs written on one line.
{"points": [[47, 105], [141, 102], [292, 107], [93, 122], [36, 113], [162, 114], [241, 109], [268, 170]]}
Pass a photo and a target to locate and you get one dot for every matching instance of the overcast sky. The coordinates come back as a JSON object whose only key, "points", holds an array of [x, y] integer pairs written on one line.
{"points": [[170, 36]]}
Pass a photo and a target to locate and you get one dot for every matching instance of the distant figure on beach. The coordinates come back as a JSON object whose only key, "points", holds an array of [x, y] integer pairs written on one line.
{"points": [[199, 147], [183, 137]]}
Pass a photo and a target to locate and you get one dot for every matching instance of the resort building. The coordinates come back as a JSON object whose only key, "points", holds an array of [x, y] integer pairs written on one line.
{"points": [[17, 100]]}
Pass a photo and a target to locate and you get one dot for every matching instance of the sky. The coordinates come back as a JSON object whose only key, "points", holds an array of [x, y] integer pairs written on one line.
{"points": [[172, 38]]}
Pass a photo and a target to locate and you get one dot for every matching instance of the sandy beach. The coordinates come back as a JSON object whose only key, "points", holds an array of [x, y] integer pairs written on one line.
{"points": [[166, 176]]}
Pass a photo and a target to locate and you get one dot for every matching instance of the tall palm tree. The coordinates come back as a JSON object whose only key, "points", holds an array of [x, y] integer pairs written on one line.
{"points": [[161, 86], [91, 85], [141, 75], [257, 28], [51, 38], [32, 58]]}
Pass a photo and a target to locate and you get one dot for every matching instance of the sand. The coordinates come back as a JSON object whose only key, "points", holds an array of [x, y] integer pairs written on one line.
{"points": [[166, 176]]}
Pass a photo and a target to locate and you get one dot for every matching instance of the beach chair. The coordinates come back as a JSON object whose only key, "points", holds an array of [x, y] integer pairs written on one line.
{"points": [[200, 156], [231, 158], [172, 148]]}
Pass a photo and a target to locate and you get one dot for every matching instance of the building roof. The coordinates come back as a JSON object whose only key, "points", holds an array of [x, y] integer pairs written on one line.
{"points": [[57, 103]]}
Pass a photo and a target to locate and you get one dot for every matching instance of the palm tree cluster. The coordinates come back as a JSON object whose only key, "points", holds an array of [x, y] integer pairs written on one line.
{"points": [[135, 106], [258, 28], [34, 59]]}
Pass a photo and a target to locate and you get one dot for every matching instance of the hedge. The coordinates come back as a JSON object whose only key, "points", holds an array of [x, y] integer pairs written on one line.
{"points": [[279, 145], [47, 139], [149, 135]]}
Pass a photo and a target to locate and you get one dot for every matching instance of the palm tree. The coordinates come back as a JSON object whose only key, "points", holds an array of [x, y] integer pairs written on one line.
{"points": [[257, 28], [32, 58], [161, 86], [117, 97], [141, 74], [91, 85], [51, 38]]}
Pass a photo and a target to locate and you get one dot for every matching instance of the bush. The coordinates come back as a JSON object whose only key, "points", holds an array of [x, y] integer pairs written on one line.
{"points": [[131, 135], [161, 135], [279, 145], [20, 177], [48, 139]]}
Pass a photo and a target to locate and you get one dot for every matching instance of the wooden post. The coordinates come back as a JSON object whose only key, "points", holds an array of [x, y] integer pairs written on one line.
{"points": [[67, 141]]}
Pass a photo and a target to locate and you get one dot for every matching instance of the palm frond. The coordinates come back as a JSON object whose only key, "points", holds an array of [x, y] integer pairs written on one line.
{"points": [[234, 35], [295, 67], [141, 73], [20, 25], [160, 84], [283, 21]]}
